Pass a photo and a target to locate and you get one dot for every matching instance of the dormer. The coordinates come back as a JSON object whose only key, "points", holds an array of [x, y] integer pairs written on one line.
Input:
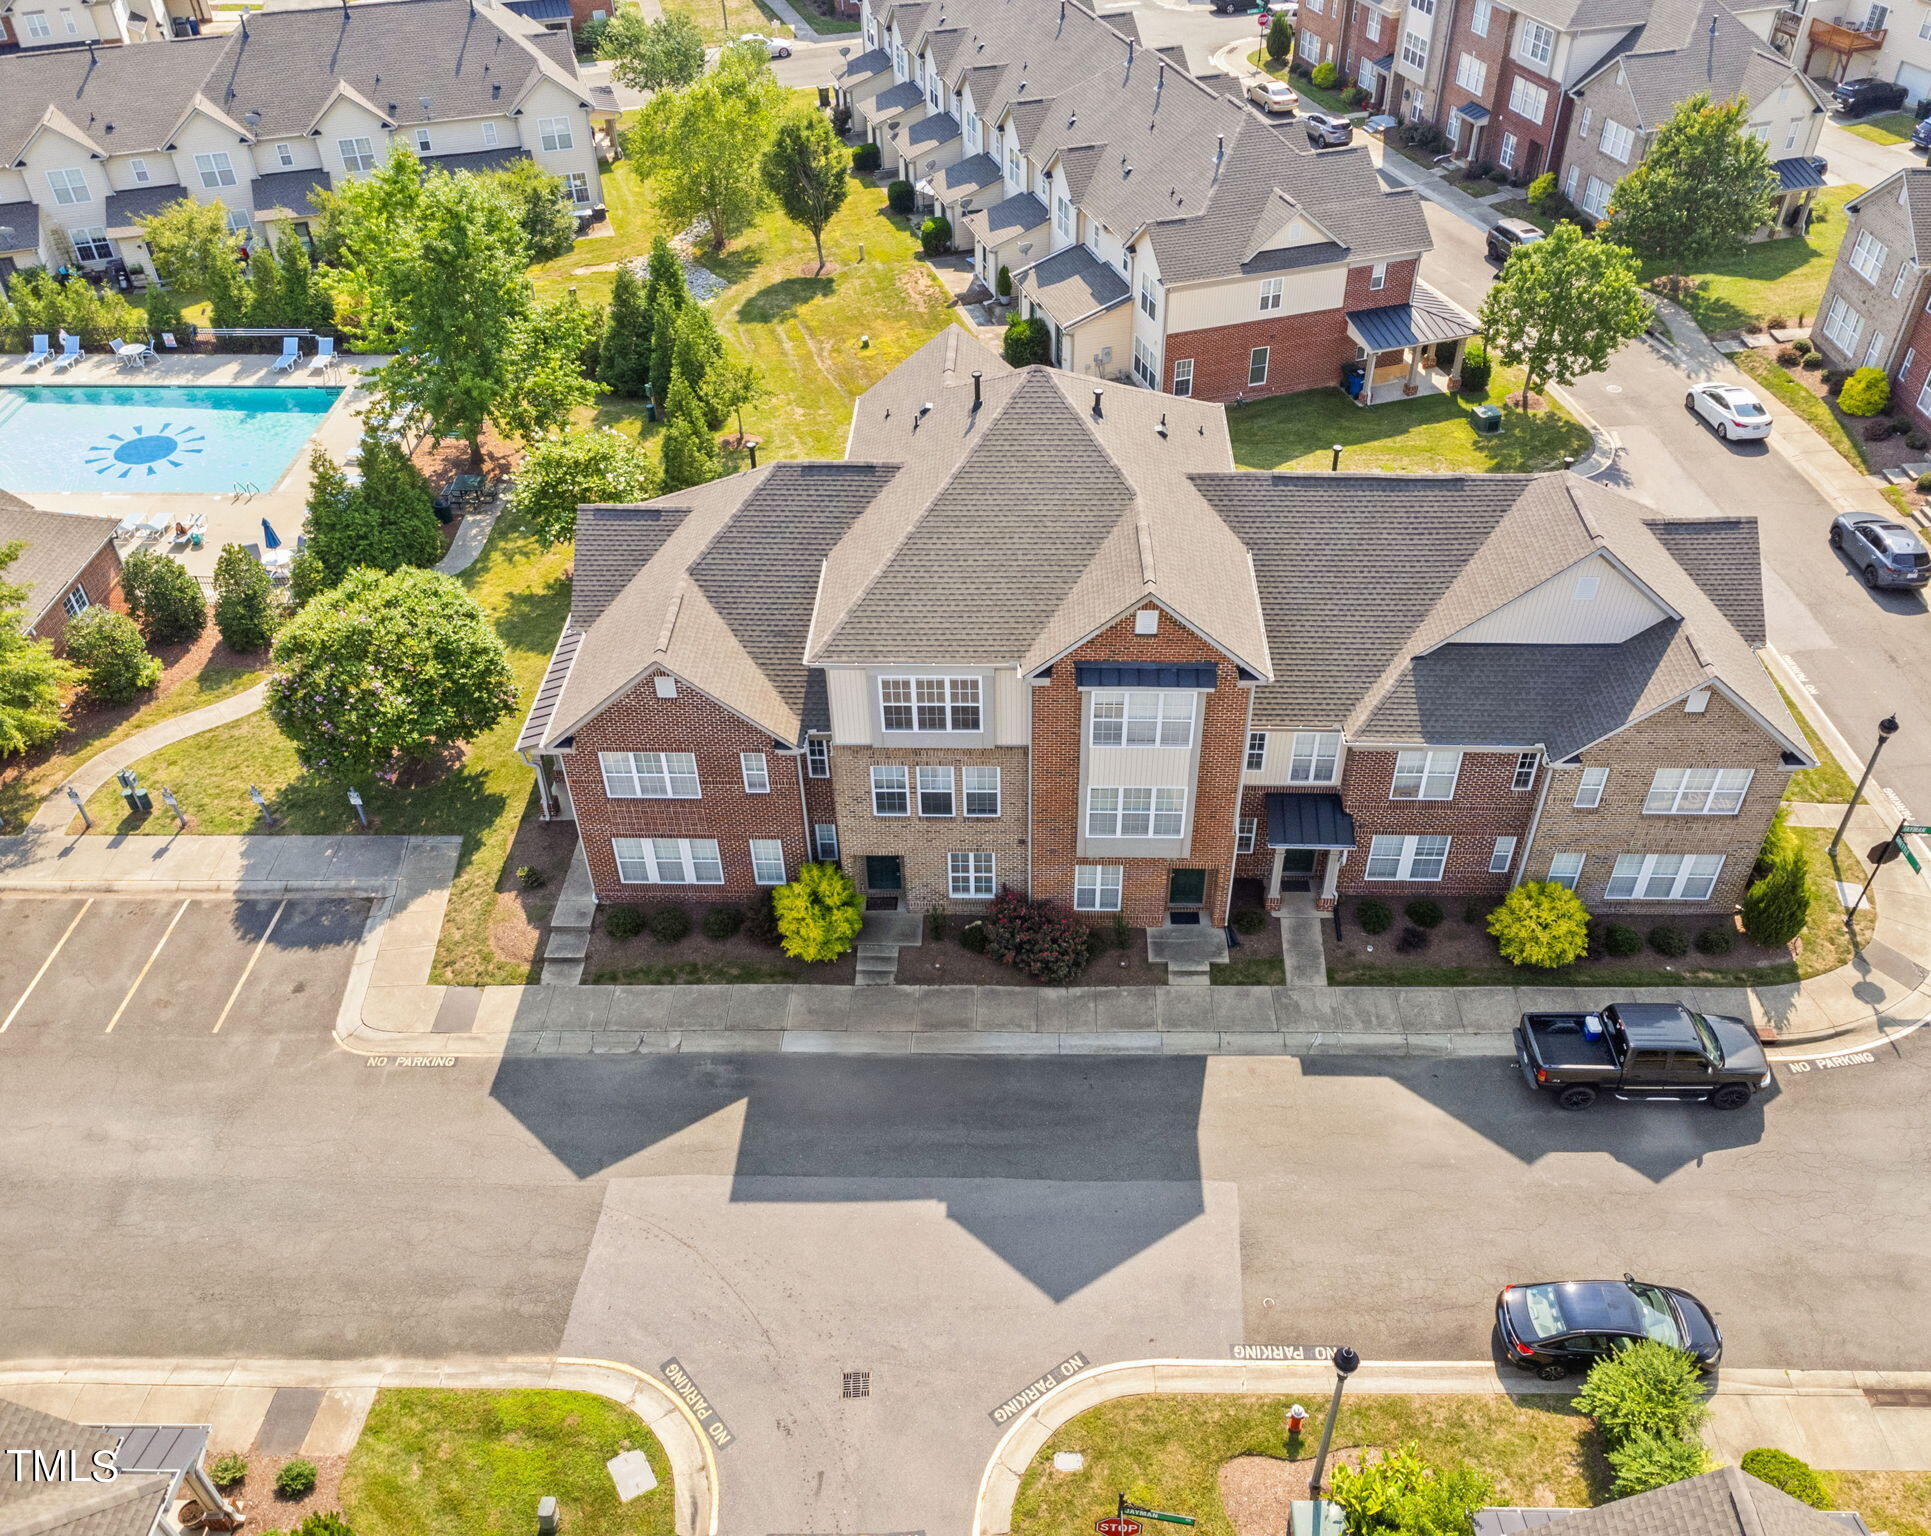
{"points": [[1596, 601]]}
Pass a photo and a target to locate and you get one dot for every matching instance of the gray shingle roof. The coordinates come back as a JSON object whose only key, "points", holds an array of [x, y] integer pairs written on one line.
{"points": [[902, 97], [1674, 53], [1722, 556], [613, 543], [963, 177], [124, 209], [1915, 184], [1727, 1502], [1072, 285], [23, 220], [479, 162], [931, 131], [872, 62], [127, 1506], [1003, 220], [59, 545], [293, 190]]}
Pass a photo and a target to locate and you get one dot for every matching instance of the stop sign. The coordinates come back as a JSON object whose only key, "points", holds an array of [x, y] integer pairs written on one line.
{"points": [[1117, 1525]]}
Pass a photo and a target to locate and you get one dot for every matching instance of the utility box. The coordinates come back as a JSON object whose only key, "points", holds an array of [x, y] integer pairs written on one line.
{"points": [[1487, 418], [546, 1516], [1315, 1517]]}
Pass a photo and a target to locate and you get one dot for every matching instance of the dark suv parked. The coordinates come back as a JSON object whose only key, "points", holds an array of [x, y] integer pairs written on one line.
{"points": [[1854, 98]]}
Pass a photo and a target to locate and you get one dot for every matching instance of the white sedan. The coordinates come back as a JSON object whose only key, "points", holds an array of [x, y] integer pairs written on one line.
{"points": [[1273, 95], [773, 49], [1731, 409]]}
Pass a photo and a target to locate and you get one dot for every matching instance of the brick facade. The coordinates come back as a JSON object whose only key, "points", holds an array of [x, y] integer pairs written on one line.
{"points": [[642, 722], [1491, 52], [1304, 352], [1914, 369], [1485, 806], [100, 579], [1324, 25], [922, 842]]}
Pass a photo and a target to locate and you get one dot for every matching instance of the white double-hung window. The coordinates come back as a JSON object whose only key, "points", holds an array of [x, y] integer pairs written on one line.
{"points": [[757, 773], [969, 876], [1537, 44], [649, 775], [929, 703], [1697, 791], [1316, 756], [1143, 719], [1116, 812], [357, 154], [69, 186], [1425, 775], [891, 792], [1589, 788], [216, 169], [935, 791], [1664, 876], [1407, 858], [1565, 869], [981, 791], [767, 861], [1271, 294], [668, 860], [1471, 74], [554, 133], [1096, 887], [1618, 142], [1528, 99], [1867, 256]]}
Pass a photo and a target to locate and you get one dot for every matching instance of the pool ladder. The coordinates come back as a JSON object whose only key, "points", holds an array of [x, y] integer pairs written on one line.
{"points": [[245, 489]]}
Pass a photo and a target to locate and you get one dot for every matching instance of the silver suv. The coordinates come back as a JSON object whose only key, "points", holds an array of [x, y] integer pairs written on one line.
{"points": [[1886, 554]]}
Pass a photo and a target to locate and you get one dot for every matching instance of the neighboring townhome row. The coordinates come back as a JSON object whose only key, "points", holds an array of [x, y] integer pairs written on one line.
{"points": [[76, 23], [295, 100], [1876, 308], [68, 563], [1038, 633], [1163, 230]]}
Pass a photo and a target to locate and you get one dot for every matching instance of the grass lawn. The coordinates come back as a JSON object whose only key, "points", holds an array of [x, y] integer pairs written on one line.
{"points": [[1898, 1503], [1431, 433], [723, 20], [1327, 101], [525, 591], [1766, 371], [826, 24], [1519, 208], [438, 1462], [1827, 783], [1886, 128], [1166, 1451], [1773, 277]]}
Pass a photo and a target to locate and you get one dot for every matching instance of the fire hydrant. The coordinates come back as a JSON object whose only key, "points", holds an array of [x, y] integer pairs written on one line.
{"points": [[1296, 1420]]}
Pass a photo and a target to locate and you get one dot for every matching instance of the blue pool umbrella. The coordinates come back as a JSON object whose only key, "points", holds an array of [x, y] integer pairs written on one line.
{"points": [[269, 536]]}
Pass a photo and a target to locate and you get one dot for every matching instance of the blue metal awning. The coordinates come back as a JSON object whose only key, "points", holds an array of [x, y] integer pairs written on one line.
{"points": [[1797, 174], [1308, 821], [1099, 674], [1472, 111]]}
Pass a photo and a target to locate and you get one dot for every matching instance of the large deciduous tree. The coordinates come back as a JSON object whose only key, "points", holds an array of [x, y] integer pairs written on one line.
{"points": [[192, 248], [666, 54], [549, 226], [33, 679], [386, 668], [560, 474], [1562, 307], [1704, 186], [808, 170], [702, 148]]}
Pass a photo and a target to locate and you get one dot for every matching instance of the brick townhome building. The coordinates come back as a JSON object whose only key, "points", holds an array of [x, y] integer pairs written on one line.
{"points": [[1165, 231], [1039, 633], [68, 564], [1876, 308]]}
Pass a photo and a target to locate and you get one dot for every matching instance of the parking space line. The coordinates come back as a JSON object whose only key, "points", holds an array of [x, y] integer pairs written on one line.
{"points": [[248, 969], [52, 955], [156, 955]]}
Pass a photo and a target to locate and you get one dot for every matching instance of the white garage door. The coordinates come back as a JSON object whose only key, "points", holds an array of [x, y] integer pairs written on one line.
{"points": [[1916, 79]]}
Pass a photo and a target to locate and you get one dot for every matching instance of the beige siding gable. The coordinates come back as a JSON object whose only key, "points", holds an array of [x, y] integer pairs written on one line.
{"points": [[1590, 603]]}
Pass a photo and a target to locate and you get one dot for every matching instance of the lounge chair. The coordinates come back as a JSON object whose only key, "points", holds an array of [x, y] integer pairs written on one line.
{"points": [[291, 354], [70, 353], [40, 353], [324, 358]]}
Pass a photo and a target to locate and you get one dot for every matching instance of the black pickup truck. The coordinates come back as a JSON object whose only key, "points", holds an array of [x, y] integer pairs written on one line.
{"points": [[1641, 1051]]}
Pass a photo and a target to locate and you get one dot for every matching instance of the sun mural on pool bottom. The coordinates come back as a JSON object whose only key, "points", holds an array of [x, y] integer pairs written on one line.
{"points": [[167, 446]]}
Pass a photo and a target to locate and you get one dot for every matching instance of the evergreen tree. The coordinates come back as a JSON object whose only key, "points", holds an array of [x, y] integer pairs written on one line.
{"points": [[624, 363], [244, 600], [399, 506], [696, 354], [689, 447], [163, 597], [267, 309], [33, 679], [340, 531]]}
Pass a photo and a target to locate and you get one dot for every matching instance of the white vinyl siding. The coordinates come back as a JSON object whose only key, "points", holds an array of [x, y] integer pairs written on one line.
{"points": [[757, 773], [767, 861], [1135, 812], [969, 876], [1425, 776], [649, 775], [891, 794], [1096, 887], [929, 703], [1407, 858], [981, 791], [1664, 877], [1697, 791], [1315, 757], [667, 860], [1143, 719]]}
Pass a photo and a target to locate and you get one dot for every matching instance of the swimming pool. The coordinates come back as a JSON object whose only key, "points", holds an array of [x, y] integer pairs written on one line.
{"points": [[152, 440]]}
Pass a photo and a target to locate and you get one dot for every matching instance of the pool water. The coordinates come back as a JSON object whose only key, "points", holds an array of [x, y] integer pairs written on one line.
{"points": [[153, 440]]}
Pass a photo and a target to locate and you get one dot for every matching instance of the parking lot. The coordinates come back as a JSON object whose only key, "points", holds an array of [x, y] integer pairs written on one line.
{"points": [[173, 966]]}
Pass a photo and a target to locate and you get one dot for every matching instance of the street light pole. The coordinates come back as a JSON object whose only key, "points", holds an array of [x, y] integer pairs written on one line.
{"points": [[1346, 1363], [1886, 729]]}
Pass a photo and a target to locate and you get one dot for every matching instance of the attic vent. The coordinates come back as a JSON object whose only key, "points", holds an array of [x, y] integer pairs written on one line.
{"points": [[836, 471], [628, 515]]}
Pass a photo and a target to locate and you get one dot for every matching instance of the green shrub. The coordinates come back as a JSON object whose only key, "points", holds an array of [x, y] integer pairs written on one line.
{"points": [[227, 1469], [865, 159], [114, 663], [1038, 937], [1402, 1493], [323, 1522], [164, 599], [936, 924], [245, 608], [1412, 940], [1622, 941], [1814, 362], [1424, 913], [1668, 939], [1541, 924], [623, 922], [761, 919], [669, 923], [935, 235], [1649, 1388], [531, 878], [1867, 392], [1122, 935], [1644, 1462], [1476, 368], [819, 913], [1924, 483], [972, 937], [721, 923], [1802, 346], [1542, 189], [1027, 342], [1249, 920], [1782, 1470], [1374, 915], [296, 1480], [1777, 905], [1280, 37], [1325, 74], [1789, 357], [1002, 284], [898, 196], [1715, 941]]}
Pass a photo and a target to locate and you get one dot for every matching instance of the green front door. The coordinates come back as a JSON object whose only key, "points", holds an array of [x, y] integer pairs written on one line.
{"points": [[1187, 888], [884, 872]]}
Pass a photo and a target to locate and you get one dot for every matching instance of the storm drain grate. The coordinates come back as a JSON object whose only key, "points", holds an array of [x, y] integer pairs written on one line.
{"points": [[857, 1384], [1897, 1397]]}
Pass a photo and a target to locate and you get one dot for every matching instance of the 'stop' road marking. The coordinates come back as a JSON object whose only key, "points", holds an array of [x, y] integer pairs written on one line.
{"points": [[52, 955], [248, 969], [145, 969]]}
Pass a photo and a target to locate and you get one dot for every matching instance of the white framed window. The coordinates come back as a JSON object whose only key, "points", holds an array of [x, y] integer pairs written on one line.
{"points": [[1257, 367], [1696, 701], [422, 141], [1471, 74], [1867, 256], [554, 133], [668, 860], [1063, 216], [1590, 787], [138, 169], [756, 771], [357, 154], [1582, 123], [1271, 294], [238, 222], [664, 685], [1842, 324], [1146, 364], [1569, 181], [929, 703], [1425, 775], [1924, 396], [767, 861], [1183, 376], [891, 792], [1565, 869], [981, 787], [1407, 858], [1618, 142], [1663, 876], [67, 21], [1013, 172], [1143, 719], [1116, 812], [969, 876], [649, 775], [1790, 133], [1595, 197], [817, 758], [1096, 887], [1149, 301], [1256, 751], [1697, 791], [1414, 50], [1526, 764], [825, 836], [92, 244], [69, 186], [1422, 7], [76, 602], [1478, 19], [285, 155], [1316, 756], [37, 24], [1364, 72], [489, 135], [1373, 30], [1874, 350], [576, 188], [1246, 830], [1507, 154], [1527, 99], [1501, 856], [1904, 367], [1378, 277], [1537, 43], [935, 792]]}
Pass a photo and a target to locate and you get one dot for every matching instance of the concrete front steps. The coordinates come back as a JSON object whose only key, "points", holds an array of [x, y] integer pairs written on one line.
{"points": [[880, 940]]}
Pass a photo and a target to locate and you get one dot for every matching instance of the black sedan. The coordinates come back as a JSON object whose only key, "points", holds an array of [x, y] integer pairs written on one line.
{"points": [[1567, 1325]]}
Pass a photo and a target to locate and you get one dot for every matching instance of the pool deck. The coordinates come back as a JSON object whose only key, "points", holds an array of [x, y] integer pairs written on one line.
{"points": [[229, 519]]}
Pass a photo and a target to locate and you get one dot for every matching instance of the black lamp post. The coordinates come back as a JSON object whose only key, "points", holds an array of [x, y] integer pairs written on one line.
{"points": [[1886, 729], [1346, 1363]]}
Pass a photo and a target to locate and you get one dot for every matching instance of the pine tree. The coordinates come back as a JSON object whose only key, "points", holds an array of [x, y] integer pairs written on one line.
{"points": [[689, 447], [244, 600], [665, 297], [399, 506], [696, 354], [340, 530], [265, 306], [625, 361]]}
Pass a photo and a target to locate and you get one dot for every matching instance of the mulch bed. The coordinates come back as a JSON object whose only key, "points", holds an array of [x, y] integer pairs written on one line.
{"points": [[441, 461], [1259, 1492], [267, 1511], [1891, 453], [520, 919]]}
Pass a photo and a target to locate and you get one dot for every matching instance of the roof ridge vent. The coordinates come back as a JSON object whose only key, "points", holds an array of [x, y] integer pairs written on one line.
{"points": [[670, 616], [1143, 531]]}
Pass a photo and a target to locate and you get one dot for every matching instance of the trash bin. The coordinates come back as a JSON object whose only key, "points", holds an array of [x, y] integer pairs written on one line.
{"points": [[1487, 418]]}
